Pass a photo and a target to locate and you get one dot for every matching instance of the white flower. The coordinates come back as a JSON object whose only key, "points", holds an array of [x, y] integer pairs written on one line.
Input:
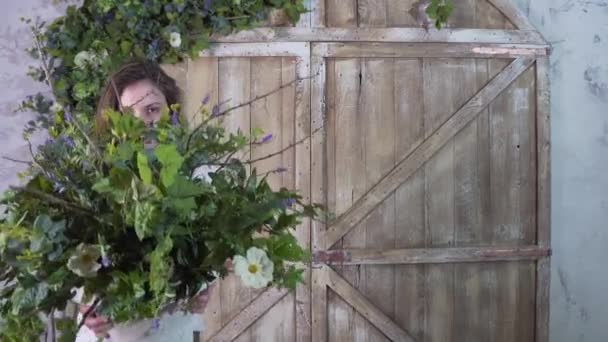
{"points": [[84, 261], [83, 58], [256, 269], [56, 107], [175, 39]]}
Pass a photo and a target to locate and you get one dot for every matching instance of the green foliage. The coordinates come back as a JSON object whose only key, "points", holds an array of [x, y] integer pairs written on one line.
{"points": [[440, 11], [81, 48], [134, 224]]}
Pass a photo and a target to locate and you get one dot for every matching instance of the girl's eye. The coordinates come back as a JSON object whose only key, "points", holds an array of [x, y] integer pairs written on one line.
{"points": [[153, 110]]}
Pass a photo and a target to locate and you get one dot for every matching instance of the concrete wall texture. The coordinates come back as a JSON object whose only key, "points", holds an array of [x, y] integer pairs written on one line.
{"points": [[578, 31]]}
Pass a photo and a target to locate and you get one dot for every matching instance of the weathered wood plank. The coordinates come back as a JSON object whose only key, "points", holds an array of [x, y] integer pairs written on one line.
{"points": [[543, 151], [428, 50], [249, 315], [319, 304], [341, 13], [513, 13], [397, 13], [345, 167], [270, 49], [318, 187], [505, 204], [365, 307], [410, 291], [267, 114], [317, 19], [372, 13], [439, 77], [377, 115], [425, 150], [544, 197], [302, 185], [395, 34], [436, 255], [234, 89], [202, 79]]}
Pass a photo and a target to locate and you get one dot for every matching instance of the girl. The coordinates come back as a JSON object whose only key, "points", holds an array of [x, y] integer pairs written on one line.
{"points": [[145, 89]]}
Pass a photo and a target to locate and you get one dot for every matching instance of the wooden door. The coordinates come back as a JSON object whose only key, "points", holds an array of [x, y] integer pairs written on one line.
{"points": [[431, 148], [435, 163], [276, 74]]}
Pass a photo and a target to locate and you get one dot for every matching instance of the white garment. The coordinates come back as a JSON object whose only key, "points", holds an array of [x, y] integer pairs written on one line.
{"points": [[178, 327]]}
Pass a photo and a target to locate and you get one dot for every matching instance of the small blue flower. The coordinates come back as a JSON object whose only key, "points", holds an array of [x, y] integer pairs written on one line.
{"points": [[266, 139], [67, 116], [69, 142], [174, 119], [280, 170], [105, 261], [215, 111], [206, 99], [288, 203]]}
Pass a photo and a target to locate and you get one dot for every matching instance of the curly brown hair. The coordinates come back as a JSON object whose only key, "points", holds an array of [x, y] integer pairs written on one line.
{"points": [[129, 73]]}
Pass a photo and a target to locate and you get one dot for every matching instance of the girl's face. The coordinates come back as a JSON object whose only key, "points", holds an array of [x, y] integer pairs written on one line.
{"points": [[144, 99]]}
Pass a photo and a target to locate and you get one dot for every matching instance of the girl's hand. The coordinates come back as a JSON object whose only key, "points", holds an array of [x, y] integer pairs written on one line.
{"points": [[100, 325]]}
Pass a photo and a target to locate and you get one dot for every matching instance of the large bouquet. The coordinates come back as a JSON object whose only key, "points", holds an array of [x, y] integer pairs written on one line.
{"points": [[140, 218]]}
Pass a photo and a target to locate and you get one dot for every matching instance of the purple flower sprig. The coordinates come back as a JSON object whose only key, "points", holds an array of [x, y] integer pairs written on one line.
{"points": [[264, 139]]}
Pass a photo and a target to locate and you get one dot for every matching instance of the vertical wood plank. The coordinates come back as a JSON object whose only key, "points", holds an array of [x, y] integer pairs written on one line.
{"points": [[397, 13], [377, 106], [467, 277], [544, 196], [318, 14], [179, 72], [302, 185], [346, 168], [234, 89], [278, 324], [317, 193], [319, 304], [525, 112], [202, 79], [341, 13], [488, 17], [410, 290], [306, 18], [372, 13], [505, 204], [463, 15], [449, 179]]}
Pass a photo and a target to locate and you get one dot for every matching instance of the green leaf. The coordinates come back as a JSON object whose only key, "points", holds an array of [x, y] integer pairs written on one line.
{"points": [[184, 187], [144, 213], [160, 271], [171, 161], [144, 169]]}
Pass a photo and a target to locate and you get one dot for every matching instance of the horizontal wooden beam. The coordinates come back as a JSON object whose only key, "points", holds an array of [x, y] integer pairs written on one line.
{"points": [[366, 308], [421, 153], [429, 255], [270, 49], [395, 34], [249, 315], [437, 50]]}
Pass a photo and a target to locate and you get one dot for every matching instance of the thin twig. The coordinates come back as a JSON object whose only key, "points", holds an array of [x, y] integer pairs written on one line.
{"points": [[53, 199], [53, 332], [251, 161], [45, 68], [88, 312], [17, 160], [257, 98]]}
